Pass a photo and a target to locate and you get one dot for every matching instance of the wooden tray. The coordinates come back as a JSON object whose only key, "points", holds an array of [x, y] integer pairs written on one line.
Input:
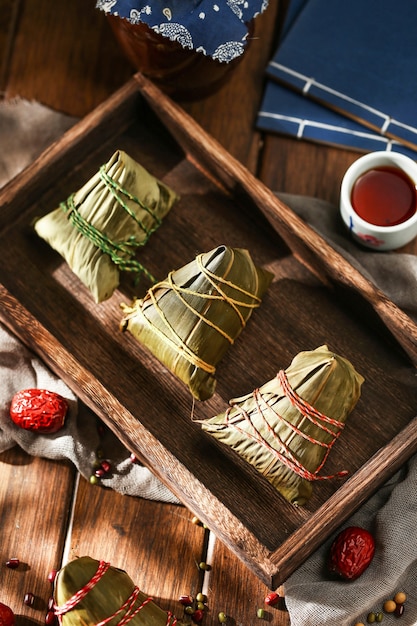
{"points": [[316, 298]]}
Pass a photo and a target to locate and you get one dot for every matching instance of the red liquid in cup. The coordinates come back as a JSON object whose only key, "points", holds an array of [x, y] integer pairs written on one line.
{"points": [[384, 196]]}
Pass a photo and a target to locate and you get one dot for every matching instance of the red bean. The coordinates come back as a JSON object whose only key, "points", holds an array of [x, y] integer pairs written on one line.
{"points": [[272, 598], [105, 465], [52, 575], [50, 618], [197, 616], [399, 610], [29, 599], [13, 563]]}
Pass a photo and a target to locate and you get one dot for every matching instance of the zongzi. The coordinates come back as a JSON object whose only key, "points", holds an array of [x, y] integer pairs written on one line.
{"points": [[287, 427], [98, 229], [189, 320], [91, 592]]}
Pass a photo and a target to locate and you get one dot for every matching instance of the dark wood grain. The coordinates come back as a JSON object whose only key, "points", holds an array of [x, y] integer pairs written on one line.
{"points": [[35, 497], [235, 591], [72, 53], [9, 14], [143, 538]]}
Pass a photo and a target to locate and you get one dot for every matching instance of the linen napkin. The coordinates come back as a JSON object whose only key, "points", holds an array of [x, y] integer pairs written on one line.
{"points": [[79, 439], [394, 273], [26, 128]]}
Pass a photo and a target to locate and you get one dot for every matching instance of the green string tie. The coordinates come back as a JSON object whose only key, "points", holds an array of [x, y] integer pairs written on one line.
{"points": [[122, 252]]}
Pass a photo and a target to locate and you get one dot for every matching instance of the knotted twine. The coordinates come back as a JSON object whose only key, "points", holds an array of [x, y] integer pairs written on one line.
{"points": [[120, 252], [308, 411], [170, 335]]}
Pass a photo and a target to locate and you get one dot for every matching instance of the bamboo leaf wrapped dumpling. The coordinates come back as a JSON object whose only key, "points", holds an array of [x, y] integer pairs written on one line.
{"points": [[91, 592], [99, 228], [189, 320], [287, 427]]}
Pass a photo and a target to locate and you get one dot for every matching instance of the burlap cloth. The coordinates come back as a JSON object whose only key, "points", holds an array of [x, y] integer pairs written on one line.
{"points": [[391, 515]]}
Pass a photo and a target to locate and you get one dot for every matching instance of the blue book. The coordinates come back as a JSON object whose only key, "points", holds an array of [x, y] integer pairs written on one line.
{"points": [[286, 112], [356, 59]]}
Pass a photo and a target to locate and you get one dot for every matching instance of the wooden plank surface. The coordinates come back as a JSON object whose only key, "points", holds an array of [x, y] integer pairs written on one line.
{"points": [[63, 55], [35, 498]]}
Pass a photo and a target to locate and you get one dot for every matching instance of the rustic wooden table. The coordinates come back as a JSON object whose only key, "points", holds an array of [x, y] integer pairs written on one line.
{"points": [[64, 56]]}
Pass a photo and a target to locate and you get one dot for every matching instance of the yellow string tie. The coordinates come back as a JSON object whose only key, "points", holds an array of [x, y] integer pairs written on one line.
{"points": [[176, 341]]}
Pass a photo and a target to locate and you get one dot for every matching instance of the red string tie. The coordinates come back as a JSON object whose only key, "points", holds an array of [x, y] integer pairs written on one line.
{"points": [[309, 412], [128, 608]]}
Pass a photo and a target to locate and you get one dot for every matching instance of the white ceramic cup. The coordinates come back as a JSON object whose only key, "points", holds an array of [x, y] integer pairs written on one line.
{"points": [[365, 233]]}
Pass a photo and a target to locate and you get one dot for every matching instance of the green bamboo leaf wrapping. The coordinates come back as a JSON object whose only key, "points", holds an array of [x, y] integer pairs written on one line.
{"points": [[256, 426], [189, 320], [114, 213], [105, 598]]}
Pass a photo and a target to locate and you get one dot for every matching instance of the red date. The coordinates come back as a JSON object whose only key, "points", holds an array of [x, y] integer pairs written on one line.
{"points": [[351, 552], [39, 410], [6, 615]]}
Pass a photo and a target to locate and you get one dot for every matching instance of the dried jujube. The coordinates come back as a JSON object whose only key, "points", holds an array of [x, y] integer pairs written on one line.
{"points": [[351, 552], [39, 410], [7, 617]]}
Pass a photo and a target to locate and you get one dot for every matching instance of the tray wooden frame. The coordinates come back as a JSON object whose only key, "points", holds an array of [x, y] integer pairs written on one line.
{"points": [[46, 306]]}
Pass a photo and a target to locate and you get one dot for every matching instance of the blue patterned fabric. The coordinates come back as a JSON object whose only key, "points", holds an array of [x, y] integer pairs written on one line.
{"points": [[217, 28]]}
